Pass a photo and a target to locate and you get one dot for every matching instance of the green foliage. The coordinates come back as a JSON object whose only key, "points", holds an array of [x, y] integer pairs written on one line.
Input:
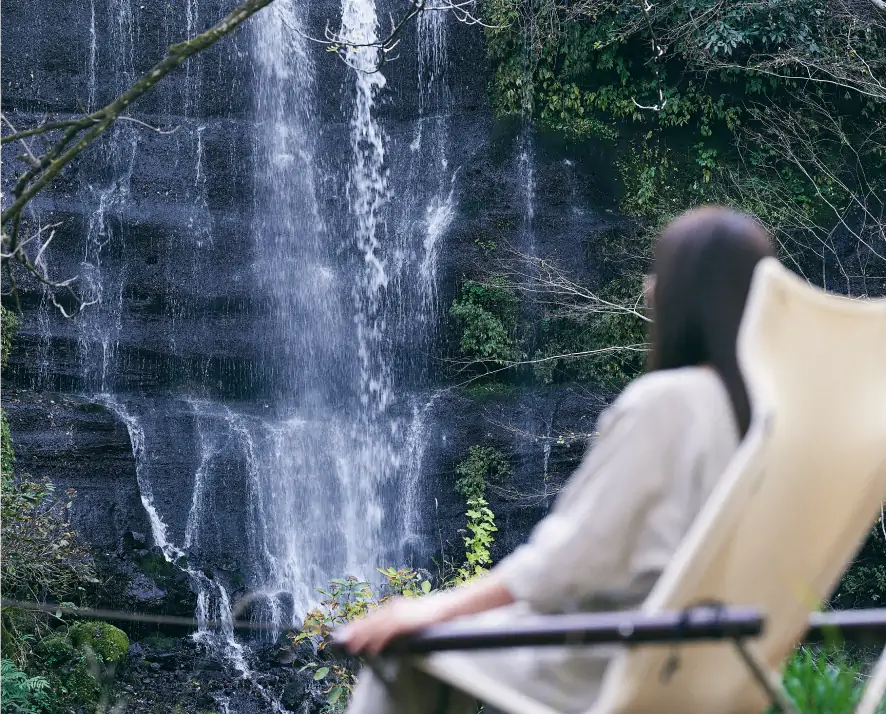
{"points": [[345, 600], [607, 348], [487, 246], [108, 642], [486, 315], [819, 686], [483, 465], [481, 526], [703, 103], [487, 390], [7, 453], [864, 582], [82, 685], [55, 649], [349, 598], [9, 324], [19, 693], [41, 553]]}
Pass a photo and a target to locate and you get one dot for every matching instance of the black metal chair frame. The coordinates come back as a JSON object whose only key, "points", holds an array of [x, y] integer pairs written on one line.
{"points": [[704, 623]]}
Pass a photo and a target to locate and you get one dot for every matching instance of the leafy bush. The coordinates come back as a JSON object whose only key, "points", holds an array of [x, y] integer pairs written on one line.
{"points": [[19, 693], [481, 526], [486, 314], [82, 684], [864, 582], [55, 649], [483, 465], [9, 324], [41, 553], [347, 599], [7, 454], [818, 686]]}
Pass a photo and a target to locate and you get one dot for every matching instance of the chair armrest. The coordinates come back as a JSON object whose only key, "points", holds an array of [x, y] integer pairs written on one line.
{"points": [[627, 627], [868, 625], [631, 628]]}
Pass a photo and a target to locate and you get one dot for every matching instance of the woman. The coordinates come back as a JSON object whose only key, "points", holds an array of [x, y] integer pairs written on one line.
{"points": [[662, 447]]}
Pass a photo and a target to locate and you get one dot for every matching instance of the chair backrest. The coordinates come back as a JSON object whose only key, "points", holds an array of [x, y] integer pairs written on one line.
{"points": [[794, 505]]}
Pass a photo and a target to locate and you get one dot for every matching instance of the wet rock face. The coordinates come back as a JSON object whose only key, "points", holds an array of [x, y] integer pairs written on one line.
{"points": [[185, 315], [81, 445], [183, 349], [164, 674]]}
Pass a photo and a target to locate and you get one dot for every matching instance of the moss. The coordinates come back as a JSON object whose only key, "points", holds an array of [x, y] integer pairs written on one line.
{"points": [[156, 566], [10, 644], [107, 641], [55, 649], [7, 454], [82, 684], [9, 324], [482, 391]]}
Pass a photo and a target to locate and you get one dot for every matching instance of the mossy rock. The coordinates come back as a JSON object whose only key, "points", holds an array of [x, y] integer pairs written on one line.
{"points": [[56, 648], [82, 684], [156, 566], [108, 642]]}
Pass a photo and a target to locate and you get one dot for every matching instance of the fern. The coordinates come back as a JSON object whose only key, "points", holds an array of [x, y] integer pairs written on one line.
{"points": [[19, 693]]}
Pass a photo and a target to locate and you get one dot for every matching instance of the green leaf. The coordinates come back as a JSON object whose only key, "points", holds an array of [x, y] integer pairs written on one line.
{"points": [[334, 694], [320, 673], [426, 587]]}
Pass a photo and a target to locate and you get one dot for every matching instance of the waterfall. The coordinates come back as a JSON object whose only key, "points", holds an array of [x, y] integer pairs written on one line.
{"points": [[338, 470], [327, 293]]}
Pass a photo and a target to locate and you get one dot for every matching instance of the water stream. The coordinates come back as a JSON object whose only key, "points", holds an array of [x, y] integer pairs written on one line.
{"points": [[325, 466]]}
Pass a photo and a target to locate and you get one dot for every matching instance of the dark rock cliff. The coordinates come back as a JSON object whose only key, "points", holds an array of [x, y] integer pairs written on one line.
{"points": [[181, 346]]}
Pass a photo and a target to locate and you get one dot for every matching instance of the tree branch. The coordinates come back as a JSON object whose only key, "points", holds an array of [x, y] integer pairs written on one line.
{"points": [[78, 135]]}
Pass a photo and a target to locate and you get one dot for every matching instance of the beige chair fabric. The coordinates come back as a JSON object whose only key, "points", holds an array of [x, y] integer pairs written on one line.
{"points": [[788, 516]]}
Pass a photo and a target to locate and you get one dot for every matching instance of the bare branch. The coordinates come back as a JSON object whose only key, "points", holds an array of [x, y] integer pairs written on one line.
{"points": [[80, 133]]}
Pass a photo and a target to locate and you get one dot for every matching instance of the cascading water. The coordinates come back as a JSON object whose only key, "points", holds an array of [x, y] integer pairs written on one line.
{"points": [[338, 457], [323, 468]]}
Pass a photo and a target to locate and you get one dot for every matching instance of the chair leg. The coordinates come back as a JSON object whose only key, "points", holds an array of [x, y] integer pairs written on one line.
{"points": [[875, 692], [773, 689]]}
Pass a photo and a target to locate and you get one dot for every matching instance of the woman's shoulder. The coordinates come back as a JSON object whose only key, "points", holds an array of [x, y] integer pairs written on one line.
{"points": [[673, 389]]}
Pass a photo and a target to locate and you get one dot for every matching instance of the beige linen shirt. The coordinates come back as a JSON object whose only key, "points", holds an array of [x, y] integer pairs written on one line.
{"points": [[661, 448]]}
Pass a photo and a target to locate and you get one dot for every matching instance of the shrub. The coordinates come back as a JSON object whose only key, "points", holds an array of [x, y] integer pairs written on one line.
{"points": [[483, 465], [41, 553], [82, 684], [481, 526], [55, 649], [347, 599], [486, 313], [818, 686], [7, 454]]}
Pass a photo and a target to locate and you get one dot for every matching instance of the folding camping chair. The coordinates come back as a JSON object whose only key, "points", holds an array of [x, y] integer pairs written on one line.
{"points": [[786, 519]]}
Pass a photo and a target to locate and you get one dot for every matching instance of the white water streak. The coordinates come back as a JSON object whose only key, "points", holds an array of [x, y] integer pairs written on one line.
{"points": [[367, 190], [137, 441]]}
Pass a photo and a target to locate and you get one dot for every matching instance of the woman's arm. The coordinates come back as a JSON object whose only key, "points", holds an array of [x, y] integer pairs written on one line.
{"points": [[585, 545], [402, 616]]}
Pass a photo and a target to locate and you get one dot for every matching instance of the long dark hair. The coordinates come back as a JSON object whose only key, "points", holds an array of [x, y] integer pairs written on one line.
{"points": [[703, 265]]}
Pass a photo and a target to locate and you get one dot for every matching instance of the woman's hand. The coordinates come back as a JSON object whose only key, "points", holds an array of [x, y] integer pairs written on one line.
{"points": [[402, 616], [370, 634]]}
